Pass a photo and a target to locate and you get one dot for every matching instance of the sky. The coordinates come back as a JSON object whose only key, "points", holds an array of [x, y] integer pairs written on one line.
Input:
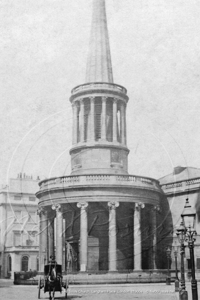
{"points": [[155, 55]]}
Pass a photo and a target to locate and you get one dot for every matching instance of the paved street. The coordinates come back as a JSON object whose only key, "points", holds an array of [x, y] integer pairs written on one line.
{"points": [[8, 291]]}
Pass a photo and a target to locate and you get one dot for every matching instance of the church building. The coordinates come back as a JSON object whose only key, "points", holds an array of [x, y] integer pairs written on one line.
{"points": [[101, 218], [104, 216]]}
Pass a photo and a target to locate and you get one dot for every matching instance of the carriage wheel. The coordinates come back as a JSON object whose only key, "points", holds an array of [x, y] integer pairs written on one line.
{"points": [[66, 288], [39, 285]]}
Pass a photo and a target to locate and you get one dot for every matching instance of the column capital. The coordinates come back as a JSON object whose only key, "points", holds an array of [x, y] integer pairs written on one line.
{"points": [[57, 207], [74, 103], [104, 98], [115, 100], [139, 205], [113, 205], [41, 211], [122, 106], [82, 205], [156, 207], [92, 98]]}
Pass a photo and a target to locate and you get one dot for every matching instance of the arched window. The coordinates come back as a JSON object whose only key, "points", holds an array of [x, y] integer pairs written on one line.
{"points": [[9, 263], [25, 263]]}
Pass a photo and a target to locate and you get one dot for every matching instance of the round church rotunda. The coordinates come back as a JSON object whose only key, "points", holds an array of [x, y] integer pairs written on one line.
{"points": [[100, 218]]}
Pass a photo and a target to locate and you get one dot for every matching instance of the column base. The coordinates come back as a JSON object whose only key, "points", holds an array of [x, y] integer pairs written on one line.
{"points": [[81, 272], [113, 271], [137, 270], [83, 268]]}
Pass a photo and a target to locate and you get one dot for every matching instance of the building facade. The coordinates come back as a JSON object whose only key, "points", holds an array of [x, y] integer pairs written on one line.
{"points": [[19, 226], [182, 183], [100, 218]]}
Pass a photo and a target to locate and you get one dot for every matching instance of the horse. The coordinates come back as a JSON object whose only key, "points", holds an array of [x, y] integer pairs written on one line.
{"points": [[52, 280]]}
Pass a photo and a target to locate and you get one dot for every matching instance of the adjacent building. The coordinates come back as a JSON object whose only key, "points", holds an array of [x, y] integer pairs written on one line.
{"points": [[182, 183], [19, 226]]}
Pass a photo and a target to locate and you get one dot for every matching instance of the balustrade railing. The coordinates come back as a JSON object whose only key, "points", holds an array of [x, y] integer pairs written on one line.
{"points": [[181, 185], [99, 179], [102, 85], [172, 185], [193, 181]]}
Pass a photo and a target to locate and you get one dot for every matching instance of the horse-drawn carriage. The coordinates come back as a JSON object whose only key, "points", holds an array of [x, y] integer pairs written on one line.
{"points": [[52, 280]]}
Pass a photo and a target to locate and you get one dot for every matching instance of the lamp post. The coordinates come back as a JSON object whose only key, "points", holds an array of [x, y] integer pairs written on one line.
{"points": [[176, 268], [183, 295], [189, 218], [168, 279]]}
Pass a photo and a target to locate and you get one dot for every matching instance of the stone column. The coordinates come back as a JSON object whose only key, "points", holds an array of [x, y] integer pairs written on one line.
{"points": [[81, 121], [13, 264], [103, 119], [137, 247], [43, 238], [3, 233], [125, 133], [51, 236], [114, 120], [83, 235], [74, 131], [122, 121], [153, 236], [63, 244], [112, 251], [59, 233], [92, 135]]}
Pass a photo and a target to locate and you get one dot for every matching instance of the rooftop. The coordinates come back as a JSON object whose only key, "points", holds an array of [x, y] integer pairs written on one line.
{"points": [[180, 174]]}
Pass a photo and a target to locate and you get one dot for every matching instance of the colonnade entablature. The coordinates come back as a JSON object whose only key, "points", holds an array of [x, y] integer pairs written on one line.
{"points": [[100, 144], [49, 195], [99, 88]]}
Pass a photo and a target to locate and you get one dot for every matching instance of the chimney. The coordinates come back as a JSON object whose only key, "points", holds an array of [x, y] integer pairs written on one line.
{"points": [[178, 170]]}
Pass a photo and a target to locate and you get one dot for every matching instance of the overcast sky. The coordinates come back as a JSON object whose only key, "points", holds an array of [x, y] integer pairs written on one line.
{"points": [[155, 48]]}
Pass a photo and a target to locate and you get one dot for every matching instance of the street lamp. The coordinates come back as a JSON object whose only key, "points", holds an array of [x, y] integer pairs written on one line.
{"points": [[176, 267], [168, 279], [189, 218], [181, 237]]}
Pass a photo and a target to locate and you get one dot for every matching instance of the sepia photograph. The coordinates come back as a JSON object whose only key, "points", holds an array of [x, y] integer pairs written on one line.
{"points": [[100, 159]]}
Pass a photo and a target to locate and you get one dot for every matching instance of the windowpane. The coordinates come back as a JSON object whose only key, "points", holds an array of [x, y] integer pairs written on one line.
{"points": [[9, 263], [31, 218], [37, 263], [198, 263], [25, 263], [32, 198], [17, 239], [17, 197], [17, 216], [189, 264]]}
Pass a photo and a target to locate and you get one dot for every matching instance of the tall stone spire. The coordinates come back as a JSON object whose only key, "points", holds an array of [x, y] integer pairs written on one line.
{"points": [[99, 66]]}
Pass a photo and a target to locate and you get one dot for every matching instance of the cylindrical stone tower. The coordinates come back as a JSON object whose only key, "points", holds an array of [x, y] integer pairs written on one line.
{"points": [[99, 109]]}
